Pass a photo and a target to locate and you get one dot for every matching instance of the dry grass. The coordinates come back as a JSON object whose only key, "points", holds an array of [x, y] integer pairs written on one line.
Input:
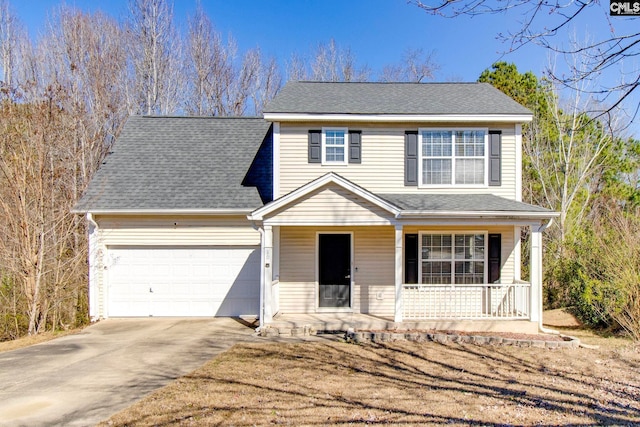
{"points": [[333, 383], [34, 339]]}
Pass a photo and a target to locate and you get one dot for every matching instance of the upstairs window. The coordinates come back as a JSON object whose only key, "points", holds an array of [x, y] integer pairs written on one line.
{"points": [[453, 157], [334, 146]]}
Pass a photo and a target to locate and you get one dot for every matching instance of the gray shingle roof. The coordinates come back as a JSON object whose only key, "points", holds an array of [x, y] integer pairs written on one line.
{"points": [[459, 203], [393, 98], [178, 163]]}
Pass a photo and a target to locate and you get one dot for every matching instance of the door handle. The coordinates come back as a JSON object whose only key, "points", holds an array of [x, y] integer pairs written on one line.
{"points": [[348, 276], [150, 290]]}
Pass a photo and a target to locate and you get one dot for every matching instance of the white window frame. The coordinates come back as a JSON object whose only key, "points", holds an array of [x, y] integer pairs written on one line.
{"points": [[324, 145], [453, 259], [453, 158]]}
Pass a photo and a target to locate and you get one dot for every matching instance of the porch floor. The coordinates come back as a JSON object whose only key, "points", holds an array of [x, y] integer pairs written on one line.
{"points": [[313, 323]]}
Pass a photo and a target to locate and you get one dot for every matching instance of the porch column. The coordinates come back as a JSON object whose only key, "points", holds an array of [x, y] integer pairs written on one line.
{"points": [[536, 272], [267, 274], [398, 276]]}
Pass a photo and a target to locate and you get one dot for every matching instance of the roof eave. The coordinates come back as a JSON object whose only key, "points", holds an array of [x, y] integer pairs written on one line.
{"points": [[243, 211], [478, 214], [435, 118]]}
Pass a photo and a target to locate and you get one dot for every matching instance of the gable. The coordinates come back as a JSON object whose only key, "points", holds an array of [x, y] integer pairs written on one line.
{"points": [[330, 204]]}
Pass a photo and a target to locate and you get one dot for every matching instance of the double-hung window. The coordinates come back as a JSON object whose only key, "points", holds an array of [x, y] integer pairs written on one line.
{"points": [[453, 157], [334, 146], [453, 258]]}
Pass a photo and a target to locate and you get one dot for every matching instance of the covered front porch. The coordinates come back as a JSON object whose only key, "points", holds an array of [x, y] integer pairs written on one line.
{"points": [[425, 268]]}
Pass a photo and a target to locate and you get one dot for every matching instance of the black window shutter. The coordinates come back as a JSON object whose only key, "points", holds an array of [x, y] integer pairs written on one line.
{"points": [[411, 258], [495, 158], [411, 158], [495, 249], [315, 146], [355, 146]]}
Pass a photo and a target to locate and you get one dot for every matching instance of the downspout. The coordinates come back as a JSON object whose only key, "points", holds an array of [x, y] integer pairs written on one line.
{"points": [[542, 329], [261, 313], [93, 243]]}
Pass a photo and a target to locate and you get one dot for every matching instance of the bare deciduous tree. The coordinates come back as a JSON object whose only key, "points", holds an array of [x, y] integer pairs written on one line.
{"points": [[86, 56], [541, 21], [329, 63], [14, 51], [416, 66], [35, 205], [155, 54], [267, 86]]}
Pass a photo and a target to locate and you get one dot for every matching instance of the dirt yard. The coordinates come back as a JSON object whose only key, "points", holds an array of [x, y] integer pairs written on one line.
{"points": [[324, 382]]}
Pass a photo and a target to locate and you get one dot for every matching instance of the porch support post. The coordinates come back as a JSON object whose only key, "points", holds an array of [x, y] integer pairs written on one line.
{"points": [[398, 277], [267, 274], [536, 273]]}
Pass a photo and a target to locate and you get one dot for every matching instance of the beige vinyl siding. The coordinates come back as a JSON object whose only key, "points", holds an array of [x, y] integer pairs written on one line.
{"points": [[382, 167], [375, 278], [297, 270], [188, 231], [508, 248], [332, 205], [373, 282]]}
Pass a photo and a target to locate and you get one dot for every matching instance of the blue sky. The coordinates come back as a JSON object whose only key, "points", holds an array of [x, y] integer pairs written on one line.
{"points": [[378, 32]]}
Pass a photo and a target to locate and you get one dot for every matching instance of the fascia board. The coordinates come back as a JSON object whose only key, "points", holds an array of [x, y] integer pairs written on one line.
{"points": [[397, 118]]}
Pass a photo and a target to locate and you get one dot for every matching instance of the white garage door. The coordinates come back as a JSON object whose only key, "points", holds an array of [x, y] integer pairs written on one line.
{"points": [[183, 282]]}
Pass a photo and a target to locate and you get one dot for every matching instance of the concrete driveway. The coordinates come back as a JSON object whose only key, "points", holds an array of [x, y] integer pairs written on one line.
{"points": [[81, 379]]}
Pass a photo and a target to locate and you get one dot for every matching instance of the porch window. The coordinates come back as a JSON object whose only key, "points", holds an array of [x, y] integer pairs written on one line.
{"points": [[334, 146], [453, 259], [453, 157]]}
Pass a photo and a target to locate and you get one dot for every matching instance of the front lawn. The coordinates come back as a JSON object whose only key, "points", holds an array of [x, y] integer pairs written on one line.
{"points": [[333, 383]]}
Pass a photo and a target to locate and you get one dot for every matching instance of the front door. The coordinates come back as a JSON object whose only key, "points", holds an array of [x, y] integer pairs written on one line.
{"points": [[334, 270]]}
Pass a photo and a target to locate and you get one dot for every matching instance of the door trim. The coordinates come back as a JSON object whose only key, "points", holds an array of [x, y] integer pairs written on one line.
{"points": [[317, 274]]}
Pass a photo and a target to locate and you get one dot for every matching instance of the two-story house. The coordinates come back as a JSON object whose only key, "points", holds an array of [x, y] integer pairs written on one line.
{"points": [[401, 201]]}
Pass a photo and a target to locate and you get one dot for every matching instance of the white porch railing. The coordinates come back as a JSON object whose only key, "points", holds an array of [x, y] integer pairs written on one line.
{"points": [[484, 301]]}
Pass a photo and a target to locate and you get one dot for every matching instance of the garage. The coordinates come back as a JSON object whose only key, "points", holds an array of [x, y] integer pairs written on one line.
{"points": [[182, 281]]}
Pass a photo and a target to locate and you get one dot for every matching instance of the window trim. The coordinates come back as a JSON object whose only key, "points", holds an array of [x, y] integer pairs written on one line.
{"points": [[453, 158], [323, 146], [485, 273]]}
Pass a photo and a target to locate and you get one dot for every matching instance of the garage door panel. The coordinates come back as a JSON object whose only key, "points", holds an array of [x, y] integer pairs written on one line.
{"points": [[183, 282]]}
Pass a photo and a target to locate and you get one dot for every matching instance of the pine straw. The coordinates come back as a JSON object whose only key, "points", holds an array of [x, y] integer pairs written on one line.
{"points": [[402, 383]]}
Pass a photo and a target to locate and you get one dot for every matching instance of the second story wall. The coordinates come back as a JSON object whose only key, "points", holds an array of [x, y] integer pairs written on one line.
{"points": [[381, 167]]}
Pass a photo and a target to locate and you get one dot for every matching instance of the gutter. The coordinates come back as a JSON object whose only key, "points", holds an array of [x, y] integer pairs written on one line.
{"points": [[478, 214], [164, 211], [90, 219], [380, 117], [91, 261]]}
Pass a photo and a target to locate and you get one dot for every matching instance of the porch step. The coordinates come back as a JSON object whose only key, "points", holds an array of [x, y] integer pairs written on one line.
{"points": [[284, 331], [307, 325]]}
